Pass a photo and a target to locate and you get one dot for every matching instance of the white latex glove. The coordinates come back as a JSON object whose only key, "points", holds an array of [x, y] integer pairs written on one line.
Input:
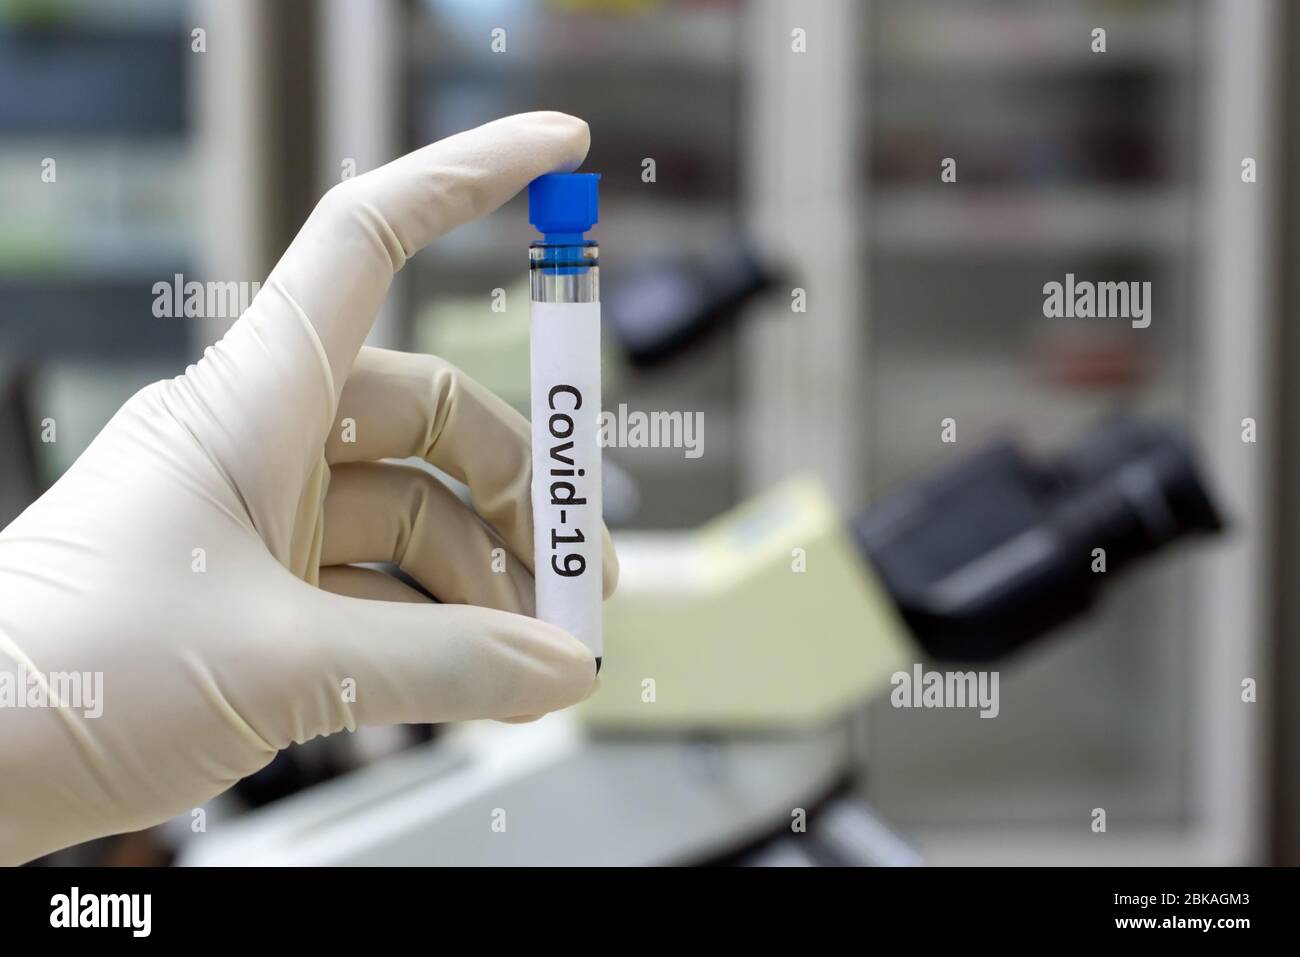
{"points": [[208, 673]]}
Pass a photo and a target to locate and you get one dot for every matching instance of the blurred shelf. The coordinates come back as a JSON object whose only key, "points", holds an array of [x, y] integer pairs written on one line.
{"points": [[995, 396], [116, 208], [95, 253], [1107, 220], [111, 14], [457, 37], [955, 36], [95, 320], [502, 239], [89, 83]]}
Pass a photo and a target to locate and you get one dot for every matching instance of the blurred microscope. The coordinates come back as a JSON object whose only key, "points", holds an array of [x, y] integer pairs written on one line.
{"points": [[739, 652]]}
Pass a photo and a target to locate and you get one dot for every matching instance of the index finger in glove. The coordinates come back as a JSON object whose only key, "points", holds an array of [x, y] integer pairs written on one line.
{"points": [[261, 401], [337, 271]]}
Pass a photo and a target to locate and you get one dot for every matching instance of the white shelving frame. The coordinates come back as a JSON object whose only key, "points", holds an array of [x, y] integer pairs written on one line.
{"points": [[230, 82], [802, 394], [360, 73]]}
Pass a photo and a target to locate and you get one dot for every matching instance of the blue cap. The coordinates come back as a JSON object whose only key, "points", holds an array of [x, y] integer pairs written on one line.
{"points": [[563, 206]]}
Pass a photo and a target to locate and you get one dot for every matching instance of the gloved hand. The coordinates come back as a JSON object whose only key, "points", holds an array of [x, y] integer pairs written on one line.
{"points": [[180, 555]]}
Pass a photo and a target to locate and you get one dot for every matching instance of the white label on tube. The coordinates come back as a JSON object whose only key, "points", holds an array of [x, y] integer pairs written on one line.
{"points": [[565, 347]]}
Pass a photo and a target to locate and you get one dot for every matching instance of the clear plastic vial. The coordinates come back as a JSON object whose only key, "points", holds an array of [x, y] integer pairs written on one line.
{"points": [[564, 272], [564, 345]]}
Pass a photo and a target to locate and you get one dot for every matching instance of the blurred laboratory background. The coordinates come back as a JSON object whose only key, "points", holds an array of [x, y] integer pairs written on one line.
{"points": [[783, 256]]}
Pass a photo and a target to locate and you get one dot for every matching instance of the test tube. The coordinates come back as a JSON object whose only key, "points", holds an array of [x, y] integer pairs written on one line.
{"points": [[564, 343]]}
